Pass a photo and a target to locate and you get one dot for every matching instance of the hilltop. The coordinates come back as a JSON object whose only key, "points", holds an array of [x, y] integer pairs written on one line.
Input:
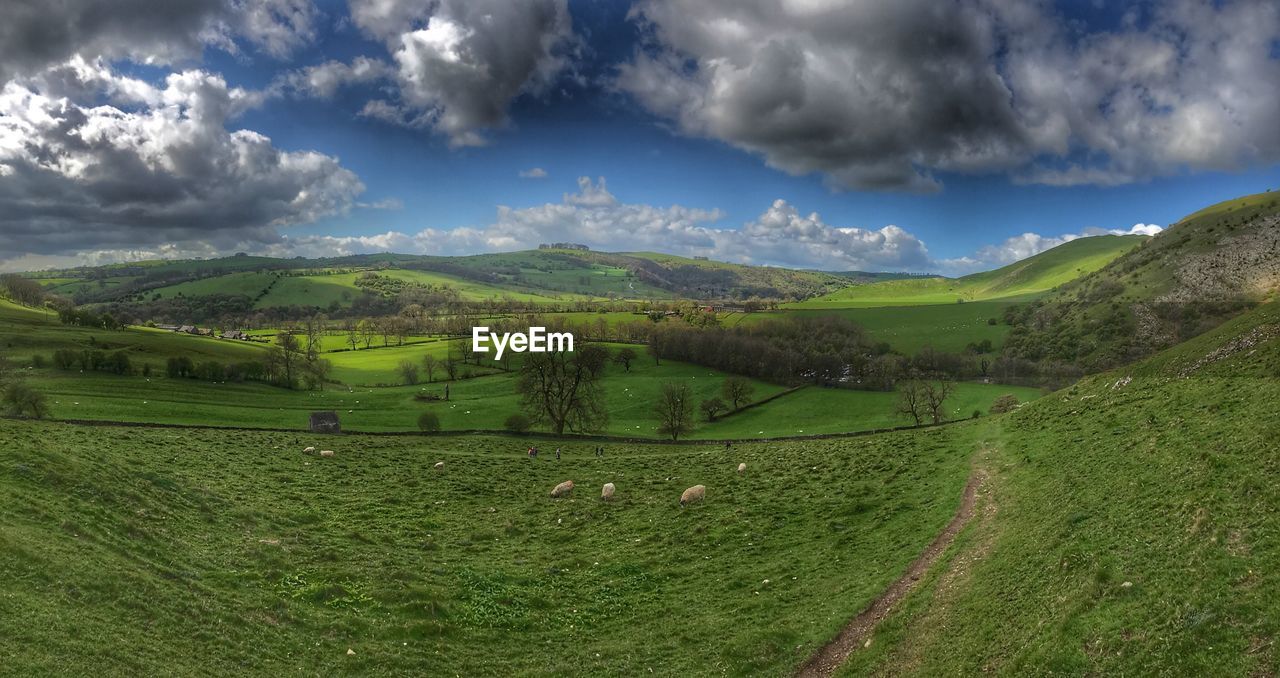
{"points": [[1206, 268], [1026, 278]]}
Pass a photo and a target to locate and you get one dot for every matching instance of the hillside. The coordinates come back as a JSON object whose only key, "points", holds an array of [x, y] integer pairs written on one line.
{"points": [[243, 284], [1134, 528], [170, 551], [1026, 278], [1202, 270]]}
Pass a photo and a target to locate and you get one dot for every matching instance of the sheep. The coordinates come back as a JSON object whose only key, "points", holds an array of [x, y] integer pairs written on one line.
{"points": [[695, 493], [309, 450], [606, 493], [742, 468], [562, 490], [326, 453], [439, 466]]}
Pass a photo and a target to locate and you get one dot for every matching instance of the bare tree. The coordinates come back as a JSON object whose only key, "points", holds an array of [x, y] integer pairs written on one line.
{"points": [[911, 401], [562, 389], [408, 372], [738, 391], [936, 392], [674, 409], [430, 363], [624, 357], [711, 407]]}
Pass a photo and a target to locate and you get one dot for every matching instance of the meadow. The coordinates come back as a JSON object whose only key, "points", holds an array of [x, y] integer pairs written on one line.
{"points": [[150, 551], [907, 329]]}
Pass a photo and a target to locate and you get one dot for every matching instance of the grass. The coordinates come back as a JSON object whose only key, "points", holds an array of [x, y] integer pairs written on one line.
{"points": [[1022, 280], [907, 329], [167, 551], [1137, 528]]}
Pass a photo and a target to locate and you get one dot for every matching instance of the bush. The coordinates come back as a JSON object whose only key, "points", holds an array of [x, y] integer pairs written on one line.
{"points": [[517, 423], [38, 361], [24, 401], [1005, 403], [429, 422]]}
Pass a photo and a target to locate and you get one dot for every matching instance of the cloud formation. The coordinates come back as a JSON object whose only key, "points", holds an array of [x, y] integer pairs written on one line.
{"points": [[457, 64], [93, 160], [37, 33], [875, 95]]}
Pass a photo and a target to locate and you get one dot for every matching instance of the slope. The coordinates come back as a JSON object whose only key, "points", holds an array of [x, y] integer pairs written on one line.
{"points": [[1029, 277], [1202, 270], [1137, 532]]}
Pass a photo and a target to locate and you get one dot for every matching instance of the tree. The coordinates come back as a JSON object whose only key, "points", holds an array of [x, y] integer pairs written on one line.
{"points": [[1005, 403], [429, 422], [316, 372], [624, 357], [911, 401], [936, 392], [674, 409], [353, 337], [430, 363], [738, 391], [366, 329], [286, 358], [408, 372], [712, 407], [562, 388], [20, 399]]}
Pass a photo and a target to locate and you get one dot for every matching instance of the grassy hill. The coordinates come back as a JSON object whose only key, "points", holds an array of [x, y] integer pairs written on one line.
{"points": [[1030, 277], [1202, 270], [147, 551], [1136, 530]]}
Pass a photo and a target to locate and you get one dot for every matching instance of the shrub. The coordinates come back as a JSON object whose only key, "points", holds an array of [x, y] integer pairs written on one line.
{"points": [[22, 400], [429, 422], [38, 361], [1005, 403], [517, 423]]}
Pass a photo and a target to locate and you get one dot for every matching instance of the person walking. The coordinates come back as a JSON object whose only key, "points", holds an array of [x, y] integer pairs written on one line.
{"points": [[557, 454]]}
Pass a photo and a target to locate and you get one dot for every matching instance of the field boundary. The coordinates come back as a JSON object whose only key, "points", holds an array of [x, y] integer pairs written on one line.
{"points": [[762, 401], [540, 435], [855, 634]]}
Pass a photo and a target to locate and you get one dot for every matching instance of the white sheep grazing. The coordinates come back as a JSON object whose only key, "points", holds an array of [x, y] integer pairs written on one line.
{"points": [[695, 493], [439, 466], [742, 468], [562, 490], [326, 453], [309, 450], [606, 493]]}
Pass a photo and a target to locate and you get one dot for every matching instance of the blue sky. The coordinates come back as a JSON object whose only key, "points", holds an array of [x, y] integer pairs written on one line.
{"points": [[973, 173]]}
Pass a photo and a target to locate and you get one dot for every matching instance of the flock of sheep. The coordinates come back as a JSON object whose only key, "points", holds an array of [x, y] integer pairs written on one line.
{"points": [[693, 494]]}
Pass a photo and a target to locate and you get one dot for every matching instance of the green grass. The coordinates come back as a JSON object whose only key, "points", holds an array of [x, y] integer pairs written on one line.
{"points": [[907, 329], [150, 552], [1018, 281], [815, 410], [25, 332], [1137, 530]]}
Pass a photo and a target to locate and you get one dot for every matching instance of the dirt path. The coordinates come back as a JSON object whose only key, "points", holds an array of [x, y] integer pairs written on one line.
{"points": [[858, 631]]}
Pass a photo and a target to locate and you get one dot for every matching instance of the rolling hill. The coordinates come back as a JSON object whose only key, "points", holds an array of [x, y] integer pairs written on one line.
{"points": [[1026, 278], [1197, 273]]}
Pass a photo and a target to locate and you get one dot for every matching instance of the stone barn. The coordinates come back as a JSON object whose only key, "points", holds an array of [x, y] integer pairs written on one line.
{"points": [[325, 422]]}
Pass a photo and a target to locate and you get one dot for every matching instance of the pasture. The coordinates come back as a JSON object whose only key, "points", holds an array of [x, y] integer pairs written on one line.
{"points": [[171, 551]]}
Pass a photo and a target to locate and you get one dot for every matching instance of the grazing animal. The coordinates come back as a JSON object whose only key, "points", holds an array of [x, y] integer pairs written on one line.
{"points": [[606, 493], [309, 450], [439, 466], [562, 490], [742, 468], [695, 493], [326, 453]]}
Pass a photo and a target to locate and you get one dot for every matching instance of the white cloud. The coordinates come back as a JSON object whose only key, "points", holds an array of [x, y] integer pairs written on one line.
{"points": [[533, 173], [154, 164]]}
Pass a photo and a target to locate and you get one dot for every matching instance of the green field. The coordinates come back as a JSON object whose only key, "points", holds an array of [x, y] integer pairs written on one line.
{"points": [[907, 329], [1018, 281], [171, 551], [1136, 532]]}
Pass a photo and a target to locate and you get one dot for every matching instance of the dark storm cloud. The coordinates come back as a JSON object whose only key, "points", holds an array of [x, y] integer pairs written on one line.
{"points": [[882, 95], [37, 33]]}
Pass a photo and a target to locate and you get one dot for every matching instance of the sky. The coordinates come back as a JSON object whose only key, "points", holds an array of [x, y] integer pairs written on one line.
{"points": [[921, 136]]}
